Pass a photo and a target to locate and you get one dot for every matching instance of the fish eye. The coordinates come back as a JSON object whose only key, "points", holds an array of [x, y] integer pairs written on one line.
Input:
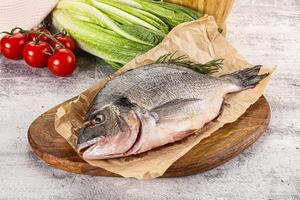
{"points": [[99, 119]]}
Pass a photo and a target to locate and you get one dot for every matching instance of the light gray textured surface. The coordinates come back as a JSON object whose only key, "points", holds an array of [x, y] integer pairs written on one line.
{"points": [[264, 31]]}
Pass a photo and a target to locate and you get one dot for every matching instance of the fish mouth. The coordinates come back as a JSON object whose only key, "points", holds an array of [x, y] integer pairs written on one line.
{"points": [[81, 148], [98, 147], [85, 151]]}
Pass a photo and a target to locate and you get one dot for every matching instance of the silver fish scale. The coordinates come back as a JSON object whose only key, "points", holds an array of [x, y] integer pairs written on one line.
{"points": [[153, 85]]}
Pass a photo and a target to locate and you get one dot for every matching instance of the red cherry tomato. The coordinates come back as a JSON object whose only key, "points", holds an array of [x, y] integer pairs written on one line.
{"points": [[32, 36], [67, 41], [12, 45], [62, 62], [37, 54]]}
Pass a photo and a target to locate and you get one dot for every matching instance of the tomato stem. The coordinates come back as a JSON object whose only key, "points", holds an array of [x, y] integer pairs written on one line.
{"points": [[5, 32], [62, 33], [16, 28], [39, 33], [52, 49], [47, 35], [36, 40]]}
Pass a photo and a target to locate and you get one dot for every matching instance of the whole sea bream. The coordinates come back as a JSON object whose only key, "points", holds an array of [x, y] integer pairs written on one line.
{"points": [[154, 105]]}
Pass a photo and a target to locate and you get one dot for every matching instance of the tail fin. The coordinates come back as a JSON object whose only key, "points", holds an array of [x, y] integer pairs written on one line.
{"points": [[247, 78]]}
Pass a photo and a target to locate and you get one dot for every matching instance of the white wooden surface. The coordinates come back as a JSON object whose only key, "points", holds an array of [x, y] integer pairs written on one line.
{"points": [[264, 31]]}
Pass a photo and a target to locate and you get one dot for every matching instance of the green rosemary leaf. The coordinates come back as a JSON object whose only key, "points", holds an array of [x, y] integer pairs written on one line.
{"points": [[183, 60]]}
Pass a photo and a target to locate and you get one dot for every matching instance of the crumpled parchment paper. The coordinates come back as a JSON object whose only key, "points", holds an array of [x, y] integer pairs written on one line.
{"points": [[201, 42]]}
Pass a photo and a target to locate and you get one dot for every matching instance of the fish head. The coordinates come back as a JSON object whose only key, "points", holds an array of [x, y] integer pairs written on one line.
{"points": [[109, 132]]}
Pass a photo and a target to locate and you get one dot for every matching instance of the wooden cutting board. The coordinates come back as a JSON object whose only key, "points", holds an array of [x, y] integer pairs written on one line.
{"points": [[211, 152]]}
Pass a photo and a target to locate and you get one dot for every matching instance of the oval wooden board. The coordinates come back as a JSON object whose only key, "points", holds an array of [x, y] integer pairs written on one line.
{"points": [[211, 152]]}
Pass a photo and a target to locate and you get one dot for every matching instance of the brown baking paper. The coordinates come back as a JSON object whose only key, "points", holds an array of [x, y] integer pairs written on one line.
{"points": [[201, 42]]}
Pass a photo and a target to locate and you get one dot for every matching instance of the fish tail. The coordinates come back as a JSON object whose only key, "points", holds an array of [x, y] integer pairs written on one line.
{"points": [[247, 78]]}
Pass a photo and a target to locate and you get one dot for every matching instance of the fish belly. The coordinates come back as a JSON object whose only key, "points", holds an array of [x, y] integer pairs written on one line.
{"points": [[177, 120]]}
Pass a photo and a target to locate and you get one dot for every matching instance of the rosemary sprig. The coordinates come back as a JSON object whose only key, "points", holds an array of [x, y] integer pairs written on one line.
{"points": [[183, 60]]}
